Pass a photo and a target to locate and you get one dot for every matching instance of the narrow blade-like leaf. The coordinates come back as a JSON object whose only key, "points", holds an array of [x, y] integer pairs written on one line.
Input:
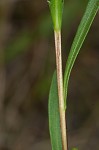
{"points": [[54, 119], [56, 8], [91, 10]]}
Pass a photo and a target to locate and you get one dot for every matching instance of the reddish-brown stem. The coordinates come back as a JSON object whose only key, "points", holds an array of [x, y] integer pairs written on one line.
{"points": [[60, 88]]}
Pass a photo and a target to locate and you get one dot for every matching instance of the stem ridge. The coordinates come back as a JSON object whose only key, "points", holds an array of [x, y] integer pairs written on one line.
{"points": [[57, 35]]}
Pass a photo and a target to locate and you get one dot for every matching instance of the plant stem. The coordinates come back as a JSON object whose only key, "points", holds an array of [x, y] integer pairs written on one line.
{"points": [[57, 35]]}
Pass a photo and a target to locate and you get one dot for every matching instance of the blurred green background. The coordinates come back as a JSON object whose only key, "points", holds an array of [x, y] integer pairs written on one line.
{"points": [[27, 62]]}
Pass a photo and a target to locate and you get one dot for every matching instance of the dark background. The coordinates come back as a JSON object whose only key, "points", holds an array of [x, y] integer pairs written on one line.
{"points": [[27, 63]]}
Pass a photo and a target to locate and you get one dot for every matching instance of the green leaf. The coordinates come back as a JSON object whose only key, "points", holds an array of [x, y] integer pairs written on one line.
{"points": [[91, 10], [56, 8], [54, 119]]}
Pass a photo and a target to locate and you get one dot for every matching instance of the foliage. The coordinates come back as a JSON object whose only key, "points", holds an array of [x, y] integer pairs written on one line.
{"points": [[83, 29], [56, 8], [90, 13], [54, 121]]}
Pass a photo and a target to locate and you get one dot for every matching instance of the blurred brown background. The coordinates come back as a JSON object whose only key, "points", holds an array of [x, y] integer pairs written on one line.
{"points": [[27, 62]]}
